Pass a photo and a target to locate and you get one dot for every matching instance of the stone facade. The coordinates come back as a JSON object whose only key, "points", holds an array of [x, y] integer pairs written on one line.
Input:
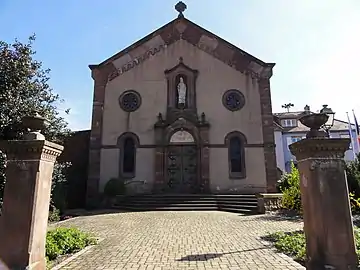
{"points": [[209, 66]]}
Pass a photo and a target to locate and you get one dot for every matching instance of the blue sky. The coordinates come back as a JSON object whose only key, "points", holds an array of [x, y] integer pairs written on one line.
{"points": [[315, 44]]}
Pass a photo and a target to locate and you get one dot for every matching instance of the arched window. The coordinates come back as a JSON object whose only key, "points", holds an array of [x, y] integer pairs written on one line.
{"points": [[128, 162], [236, 155], [127, 144]]}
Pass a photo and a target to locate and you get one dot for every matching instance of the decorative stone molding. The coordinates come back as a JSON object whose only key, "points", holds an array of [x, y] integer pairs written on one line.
{"points": [[31, 150], [322, 148], [136, 61], [182, 28]]}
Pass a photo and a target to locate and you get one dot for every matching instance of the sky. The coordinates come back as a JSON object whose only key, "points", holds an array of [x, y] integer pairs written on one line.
{"points": [[315, 44]]}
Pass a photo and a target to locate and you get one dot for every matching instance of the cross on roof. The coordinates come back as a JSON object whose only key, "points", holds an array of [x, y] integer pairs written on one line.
{"points": [[180, 7]]}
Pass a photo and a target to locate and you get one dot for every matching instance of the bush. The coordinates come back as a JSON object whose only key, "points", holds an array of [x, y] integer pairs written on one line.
{"points": [[114, 187], [63, 241], [353, 177], [283, 182], [354, 204], [291, 190], [2, 178], [294, 244], [59, 186], [54, 214]]}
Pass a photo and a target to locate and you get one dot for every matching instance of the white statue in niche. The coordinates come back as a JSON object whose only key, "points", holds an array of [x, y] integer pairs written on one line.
{"points": [[181, 87]]}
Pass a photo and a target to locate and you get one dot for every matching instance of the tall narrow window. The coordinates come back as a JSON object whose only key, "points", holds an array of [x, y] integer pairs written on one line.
{"points": [[129, 156], [235, 155], [236, 151]]}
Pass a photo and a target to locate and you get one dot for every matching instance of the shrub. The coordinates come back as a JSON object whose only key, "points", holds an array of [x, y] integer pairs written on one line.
{"points": [[283, 182], [354, 204], [62, 241], [54, 214], [2, 177], [291, 190], [353, 177], [59, 186], [114, 187], [294, 243]]}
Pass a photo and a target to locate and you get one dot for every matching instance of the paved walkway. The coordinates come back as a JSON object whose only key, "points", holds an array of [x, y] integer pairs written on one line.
{"points": [[182, 240]]}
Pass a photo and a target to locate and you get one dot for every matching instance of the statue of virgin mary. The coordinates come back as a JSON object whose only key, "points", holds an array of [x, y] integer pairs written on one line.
{"points": [[181, 88]]}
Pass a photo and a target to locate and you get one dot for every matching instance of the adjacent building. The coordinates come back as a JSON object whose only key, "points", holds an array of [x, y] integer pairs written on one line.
{"points": [[288, 129]]}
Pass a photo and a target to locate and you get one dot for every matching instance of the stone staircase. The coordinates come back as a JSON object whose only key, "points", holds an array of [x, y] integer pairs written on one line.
{"points": [[246, 204]]}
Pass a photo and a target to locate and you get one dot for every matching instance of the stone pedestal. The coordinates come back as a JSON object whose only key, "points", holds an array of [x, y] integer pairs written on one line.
{"points": [[327, 215], [24, 219]]}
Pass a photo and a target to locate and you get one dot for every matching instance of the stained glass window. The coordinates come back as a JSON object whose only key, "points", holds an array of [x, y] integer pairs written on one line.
{"points": [[130, 101], [233, 100]]}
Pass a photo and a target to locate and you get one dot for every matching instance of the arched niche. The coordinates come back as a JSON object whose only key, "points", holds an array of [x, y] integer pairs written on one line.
{"points": [[189, 76]]}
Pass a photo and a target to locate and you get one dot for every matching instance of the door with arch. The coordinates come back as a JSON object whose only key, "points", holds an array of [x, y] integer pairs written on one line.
{"points": [[182, 167]]}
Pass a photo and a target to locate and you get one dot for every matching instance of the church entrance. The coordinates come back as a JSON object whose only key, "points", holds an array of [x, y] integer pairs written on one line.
{"points": [[182, 167]]}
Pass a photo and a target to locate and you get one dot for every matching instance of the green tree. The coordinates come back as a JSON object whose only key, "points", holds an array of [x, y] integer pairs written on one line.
{"points": [[24, 90]]}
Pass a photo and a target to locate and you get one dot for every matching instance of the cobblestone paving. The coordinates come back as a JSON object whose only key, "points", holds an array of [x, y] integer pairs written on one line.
{"points": [[182, 240]]}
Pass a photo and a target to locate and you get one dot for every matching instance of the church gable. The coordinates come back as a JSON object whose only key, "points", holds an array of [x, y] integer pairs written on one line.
{"points": [[182, 28]]}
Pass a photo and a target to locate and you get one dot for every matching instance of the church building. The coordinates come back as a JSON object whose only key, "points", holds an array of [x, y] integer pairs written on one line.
{"points": [[182, 111]]}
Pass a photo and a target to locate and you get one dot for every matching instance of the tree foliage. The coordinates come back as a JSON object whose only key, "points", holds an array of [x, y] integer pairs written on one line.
{"points": [[24, 90], [353, 177]]}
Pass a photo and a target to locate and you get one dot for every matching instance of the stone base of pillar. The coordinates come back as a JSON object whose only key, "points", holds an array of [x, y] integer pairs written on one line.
{"points": [[23, 224]]}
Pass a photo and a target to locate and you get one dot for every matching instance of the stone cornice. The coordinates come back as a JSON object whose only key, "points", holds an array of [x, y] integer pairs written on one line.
{"points": [[320, 148], [182, 28], [31, 150]]}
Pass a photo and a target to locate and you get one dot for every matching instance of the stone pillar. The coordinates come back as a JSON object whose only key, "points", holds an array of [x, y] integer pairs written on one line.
{"points": [[204, 159], [24, 219], [158, 186], [267, 120], [324, 193]]}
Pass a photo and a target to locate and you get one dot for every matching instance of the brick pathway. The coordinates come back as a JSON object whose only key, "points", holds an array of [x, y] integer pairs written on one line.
{"points": [[182, 240]]}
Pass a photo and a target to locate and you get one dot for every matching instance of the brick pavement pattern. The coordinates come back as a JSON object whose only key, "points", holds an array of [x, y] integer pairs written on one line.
{"points": [[182, 240]]}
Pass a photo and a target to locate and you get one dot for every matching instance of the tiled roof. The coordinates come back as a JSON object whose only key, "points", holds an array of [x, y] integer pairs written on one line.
{"points": [[285, 115]]}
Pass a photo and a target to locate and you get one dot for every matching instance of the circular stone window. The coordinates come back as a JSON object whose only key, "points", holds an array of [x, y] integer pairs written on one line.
{"points": [[233, 100], [130, 101]]}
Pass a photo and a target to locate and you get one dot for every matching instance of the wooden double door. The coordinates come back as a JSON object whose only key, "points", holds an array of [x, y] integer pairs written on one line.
{"points": [[182, 169]]}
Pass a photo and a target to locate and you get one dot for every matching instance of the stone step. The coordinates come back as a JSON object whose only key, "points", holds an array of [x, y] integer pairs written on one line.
{"points": [[166, 208], [238, 210]]}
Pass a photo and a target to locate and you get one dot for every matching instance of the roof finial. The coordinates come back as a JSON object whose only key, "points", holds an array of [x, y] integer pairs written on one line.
{"points": [[180, 7]]}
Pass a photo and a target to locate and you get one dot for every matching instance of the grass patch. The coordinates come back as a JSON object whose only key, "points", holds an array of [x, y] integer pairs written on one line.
{"points": [[293, 244], [64, 241]]}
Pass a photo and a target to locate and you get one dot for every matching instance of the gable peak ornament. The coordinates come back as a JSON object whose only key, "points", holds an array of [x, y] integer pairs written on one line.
{"points": [[180, 7]]}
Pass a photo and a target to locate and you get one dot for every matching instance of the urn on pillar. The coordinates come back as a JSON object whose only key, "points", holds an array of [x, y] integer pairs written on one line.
{"points": [[324, 193]]}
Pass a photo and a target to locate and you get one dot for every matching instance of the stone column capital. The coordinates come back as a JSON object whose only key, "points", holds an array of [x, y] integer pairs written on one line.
{"points": [[320, 148], [31, 150]]}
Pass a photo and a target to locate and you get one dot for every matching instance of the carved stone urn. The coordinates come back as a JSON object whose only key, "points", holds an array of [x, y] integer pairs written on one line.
{"points": [[314, 121], [34, 125]]}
